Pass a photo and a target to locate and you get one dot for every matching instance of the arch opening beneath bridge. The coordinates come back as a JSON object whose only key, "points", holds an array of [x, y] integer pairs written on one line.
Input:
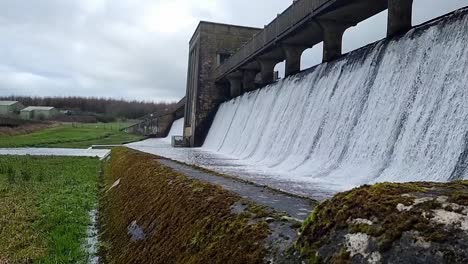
{"points": [[425, 10], [368, 31], [280, 70], [312, 56]]}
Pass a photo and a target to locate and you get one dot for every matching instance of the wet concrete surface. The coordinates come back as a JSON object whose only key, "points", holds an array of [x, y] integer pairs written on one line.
{"points": [[63, 152], [296, 207], [289, 182]]}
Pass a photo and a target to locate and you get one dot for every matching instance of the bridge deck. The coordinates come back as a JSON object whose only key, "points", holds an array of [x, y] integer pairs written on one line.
{"points": [[297, 26]]}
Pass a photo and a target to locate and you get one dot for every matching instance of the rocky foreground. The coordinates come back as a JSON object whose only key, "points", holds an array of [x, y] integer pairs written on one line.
{"points": [[390, 223], [150, 213]]}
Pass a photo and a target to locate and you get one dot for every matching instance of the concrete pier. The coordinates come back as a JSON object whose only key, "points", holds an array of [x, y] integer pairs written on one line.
{"points": [[235, 83], [267, 70], [293, 59], [248, 80], [332, 38], [400, 15]]}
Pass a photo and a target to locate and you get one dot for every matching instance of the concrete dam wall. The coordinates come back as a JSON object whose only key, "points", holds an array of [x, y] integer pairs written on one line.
{"points": [[396, 110]]}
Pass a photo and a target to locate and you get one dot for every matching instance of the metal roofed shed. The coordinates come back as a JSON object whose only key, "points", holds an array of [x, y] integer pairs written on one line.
{"points": [[39, 112], [9, 108]]}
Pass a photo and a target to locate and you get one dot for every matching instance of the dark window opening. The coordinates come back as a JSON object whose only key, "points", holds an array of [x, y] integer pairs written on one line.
{"points": [[222, 57]]}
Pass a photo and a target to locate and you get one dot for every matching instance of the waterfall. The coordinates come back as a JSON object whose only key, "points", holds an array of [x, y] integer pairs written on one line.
{"points": [[177, 129], [396, 110]]}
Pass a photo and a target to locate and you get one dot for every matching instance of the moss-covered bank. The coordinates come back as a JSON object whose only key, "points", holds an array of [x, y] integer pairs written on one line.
{"points": [[155, 215], [390, 223], [152, 214]]}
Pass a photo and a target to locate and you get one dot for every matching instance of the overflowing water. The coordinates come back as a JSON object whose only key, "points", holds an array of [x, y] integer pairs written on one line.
{"points": [[396, 110], [177, 129]]}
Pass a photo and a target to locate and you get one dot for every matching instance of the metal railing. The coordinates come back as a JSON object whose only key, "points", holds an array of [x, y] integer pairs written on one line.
{"points": [[295, 14]]}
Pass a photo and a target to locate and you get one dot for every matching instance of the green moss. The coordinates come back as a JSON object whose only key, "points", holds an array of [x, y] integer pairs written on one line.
{"points": [[459, 197], [342, 257], [259, 211], [379, 204], [185, 221]]}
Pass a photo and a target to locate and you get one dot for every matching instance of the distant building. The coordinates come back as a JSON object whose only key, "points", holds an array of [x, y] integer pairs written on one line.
{"points": [[39, 112], [8, 108]]}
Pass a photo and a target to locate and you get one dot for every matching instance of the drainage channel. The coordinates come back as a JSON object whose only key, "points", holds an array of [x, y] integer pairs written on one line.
{"points": [[296, 207]]}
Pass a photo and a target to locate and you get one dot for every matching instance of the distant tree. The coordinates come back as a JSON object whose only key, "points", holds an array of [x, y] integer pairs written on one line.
{"points": [[104, 106]]}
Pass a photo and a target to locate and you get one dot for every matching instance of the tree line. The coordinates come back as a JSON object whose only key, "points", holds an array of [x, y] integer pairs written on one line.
{"points": [[104, 106]]}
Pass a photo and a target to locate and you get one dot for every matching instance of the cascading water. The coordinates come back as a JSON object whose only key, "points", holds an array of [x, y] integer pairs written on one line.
{"points": [[396, 110], [177, 129], [393, 111]]}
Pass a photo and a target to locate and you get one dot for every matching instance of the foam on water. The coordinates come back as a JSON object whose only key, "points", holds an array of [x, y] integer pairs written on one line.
{"points": [[393, 111]]}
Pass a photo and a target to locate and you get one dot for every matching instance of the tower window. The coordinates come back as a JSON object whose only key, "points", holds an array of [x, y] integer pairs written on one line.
{"points": [[222, 57]]}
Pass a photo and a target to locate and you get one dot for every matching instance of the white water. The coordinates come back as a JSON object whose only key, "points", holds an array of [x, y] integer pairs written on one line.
{"points": [[393, 111], [177, 129]]}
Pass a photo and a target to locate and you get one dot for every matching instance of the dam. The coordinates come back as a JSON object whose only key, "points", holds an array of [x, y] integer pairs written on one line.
{"points": [[395, 110]]}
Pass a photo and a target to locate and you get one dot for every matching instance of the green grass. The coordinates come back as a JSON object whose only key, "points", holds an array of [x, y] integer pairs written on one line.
{"points": [[72, 136], [44, 207]]}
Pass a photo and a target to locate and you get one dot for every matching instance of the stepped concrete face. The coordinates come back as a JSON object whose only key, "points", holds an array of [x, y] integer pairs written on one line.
{"points": [[226, 61]]}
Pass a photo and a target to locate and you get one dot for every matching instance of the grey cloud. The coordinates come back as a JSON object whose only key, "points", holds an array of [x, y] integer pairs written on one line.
{"points": [[102, 48]]}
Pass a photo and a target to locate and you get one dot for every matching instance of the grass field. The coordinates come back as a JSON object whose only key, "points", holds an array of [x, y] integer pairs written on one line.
{"points": [[71, 136], [44, 208]]}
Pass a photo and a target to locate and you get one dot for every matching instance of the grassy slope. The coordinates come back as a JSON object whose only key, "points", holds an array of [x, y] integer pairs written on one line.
{"points": [[44, 208], [71, 136], [185, 221]]}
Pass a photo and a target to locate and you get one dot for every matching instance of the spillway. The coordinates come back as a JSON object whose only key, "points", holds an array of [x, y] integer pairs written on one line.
{"points": [[177, 129], [396, 110]]}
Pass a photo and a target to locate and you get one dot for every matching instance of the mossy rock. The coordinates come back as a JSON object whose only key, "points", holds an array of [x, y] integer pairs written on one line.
{"points": [[390, 223]]}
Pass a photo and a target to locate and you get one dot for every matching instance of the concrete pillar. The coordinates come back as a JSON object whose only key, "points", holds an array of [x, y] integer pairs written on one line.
{"points": [[400, 14], [267, 69], [235, 84], [248, 80], [332, 39], [293, 59]]}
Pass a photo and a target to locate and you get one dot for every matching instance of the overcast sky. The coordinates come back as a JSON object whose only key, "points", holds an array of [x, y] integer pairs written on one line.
{"points": [[134, 49]]}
